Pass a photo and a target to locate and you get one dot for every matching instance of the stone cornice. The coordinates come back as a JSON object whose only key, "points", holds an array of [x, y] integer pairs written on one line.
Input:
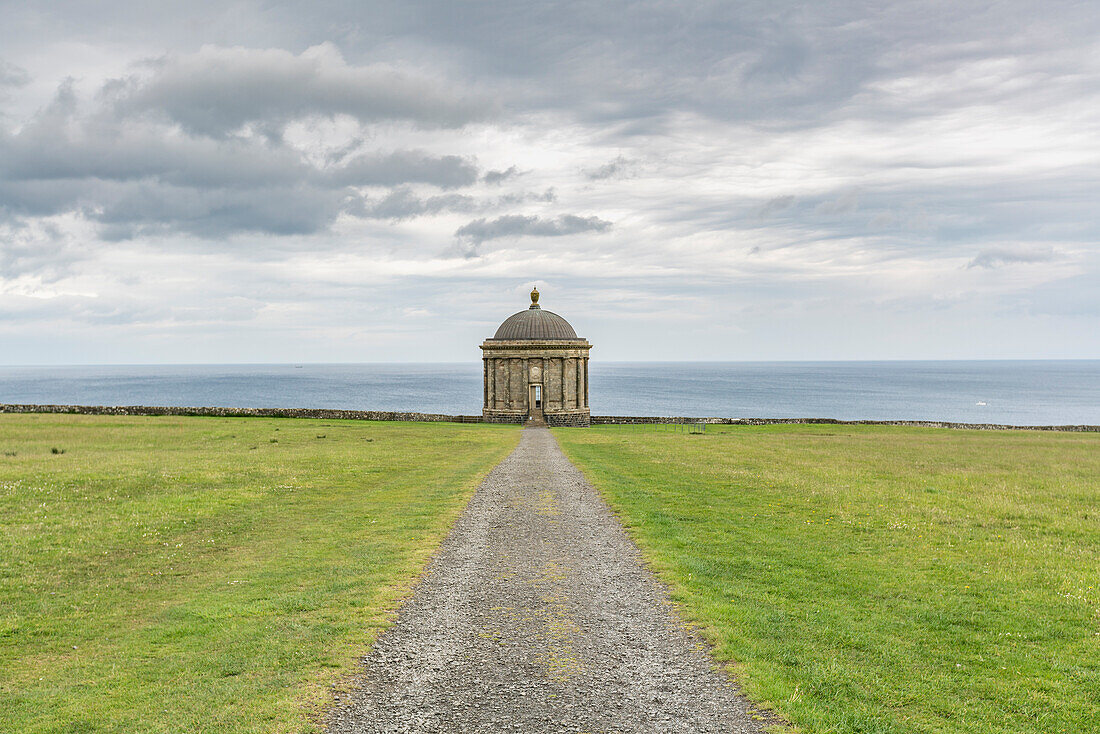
{"points": [[566, 347]]}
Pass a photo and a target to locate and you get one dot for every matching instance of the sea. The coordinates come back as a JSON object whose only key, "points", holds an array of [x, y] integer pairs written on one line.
{"points": [[1014, 392]]}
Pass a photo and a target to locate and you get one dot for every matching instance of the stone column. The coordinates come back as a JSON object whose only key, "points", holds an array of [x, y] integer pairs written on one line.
{"points": [[492, 378], [485, 383], [581, 377], [515, 386], [500, 392], [586, 382], [569, 383], [557, 394]]}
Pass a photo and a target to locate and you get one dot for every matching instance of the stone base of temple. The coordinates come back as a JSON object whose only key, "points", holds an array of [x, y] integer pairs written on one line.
{"points": [[560, 418], [564, 418], [504, 416]]}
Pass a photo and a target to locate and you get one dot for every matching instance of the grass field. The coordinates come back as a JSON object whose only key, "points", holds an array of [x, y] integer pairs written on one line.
{"points": [[877, 579], [210, 574]]}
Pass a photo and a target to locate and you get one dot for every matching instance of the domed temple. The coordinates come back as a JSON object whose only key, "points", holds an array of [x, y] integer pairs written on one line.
{"points": [[536, 369]]}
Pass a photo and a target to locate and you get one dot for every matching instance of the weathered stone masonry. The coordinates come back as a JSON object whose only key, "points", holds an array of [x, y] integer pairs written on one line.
{"points": [[560, 370], [536, 368]]}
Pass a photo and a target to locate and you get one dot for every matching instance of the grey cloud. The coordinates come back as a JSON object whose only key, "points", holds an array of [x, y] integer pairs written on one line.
{"points": [[46, 150], [729, 61], [135, 177], [217, 91], [781, 58], [12, 75], [73, 149], [515, 225], [39, 249], [613, 169], [449, 171], [128, 210], [884, 220], [521, 197], [494, 178], [775, 205], [578, 56], [996, 256], [404, 204], [789, 64], [219, 197], [845, 203]]}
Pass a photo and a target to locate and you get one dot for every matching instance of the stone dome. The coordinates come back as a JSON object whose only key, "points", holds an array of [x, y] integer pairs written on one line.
{"points": [[535, 324]]}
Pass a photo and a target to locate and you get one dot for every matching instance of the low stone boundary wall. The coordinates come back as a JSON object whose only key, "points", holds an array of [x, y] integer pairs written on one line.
{"points": [[503, 416], [386, 415], [567, 420], [324, 413], [645, 420]]}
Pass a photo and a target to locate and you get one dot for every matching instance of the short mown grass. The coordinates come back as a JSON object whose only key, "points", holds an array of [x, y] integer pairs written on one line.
{"points": [[877, 579], [171, 574]]}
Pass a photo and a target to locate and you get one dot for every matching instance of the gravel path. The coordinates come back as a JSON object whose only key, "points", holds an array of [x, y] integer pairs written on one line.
{"points": [[537, 616]]}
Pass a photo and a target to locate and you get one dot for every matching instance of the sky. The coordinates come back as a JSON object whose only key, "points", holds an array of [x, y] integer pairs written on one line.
{"points": [[244, 182]]}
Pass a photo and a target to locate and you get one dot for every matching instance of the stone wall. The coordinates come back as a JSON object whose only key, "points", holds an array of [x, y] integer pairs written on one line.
{"points": [[324, 413], [645, 420], [572, 418]]}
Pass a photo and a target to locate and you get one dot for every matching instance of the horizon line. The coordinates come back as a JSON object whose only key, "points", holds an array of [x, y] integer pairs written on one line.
{"points": [[602, 361]]}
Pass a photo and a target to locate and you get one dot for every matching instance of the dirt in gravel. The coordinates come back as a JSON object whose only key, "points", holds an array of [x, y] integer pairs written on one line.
{"points": [[537, 615]]}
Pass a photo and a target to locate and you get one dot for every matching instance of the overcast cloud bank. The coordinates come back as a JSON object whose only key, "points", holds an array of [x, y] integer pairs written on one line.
{"points": [[344, 182]]}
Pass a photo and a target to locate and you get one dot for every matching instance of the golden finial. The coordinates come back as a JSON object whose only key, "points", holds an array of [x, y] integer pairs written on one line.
{"points": [[535, 297]]}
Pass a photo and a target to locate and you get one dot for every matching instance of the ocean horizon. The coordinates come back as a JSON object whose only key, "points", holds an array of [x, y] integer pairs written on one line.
{"points": [[1020, 392]]}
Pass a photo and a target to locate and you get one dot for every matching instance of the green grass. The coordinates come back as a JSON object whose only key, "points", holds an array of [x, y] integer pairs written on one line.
{"points": [[210, 574], [877, 579]]}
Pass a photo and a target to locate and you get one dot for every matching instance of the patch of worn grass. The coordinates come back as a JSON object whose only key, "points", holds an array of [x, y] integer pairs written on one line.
{"points": [[877, 579], [210, 574]]}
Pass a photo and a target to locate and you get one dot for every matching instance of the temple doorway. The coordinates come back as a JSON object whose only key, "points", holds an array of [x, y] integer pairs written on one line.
{"points": [[535, 402]]}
